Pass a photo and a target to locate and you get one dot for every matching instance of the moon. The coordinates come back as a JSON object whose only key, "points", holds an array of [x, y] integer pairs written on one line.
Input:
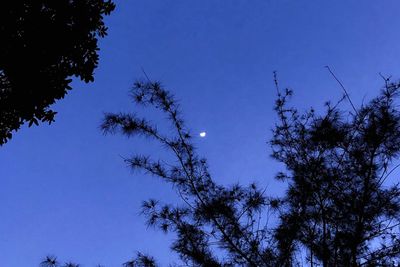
{"points": [[203, 134]]}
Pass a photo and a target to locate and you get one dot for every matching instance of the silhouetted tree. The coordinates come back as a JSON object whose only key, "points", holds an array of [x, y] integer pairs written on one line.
{"points": [[337, 205], [215, 225], [43, 44]]}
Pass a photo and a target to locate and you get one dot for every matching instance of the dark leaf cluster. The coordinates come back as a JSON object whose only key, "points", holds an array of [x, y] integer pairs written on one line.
{"points": [[337, 205], [43, 44]]}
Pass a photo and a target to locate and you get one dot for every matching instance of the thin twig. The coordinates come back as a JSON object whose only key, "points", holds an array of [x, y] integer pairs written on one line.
{"points": [[343, 88], [276, 82], [145, 74]]}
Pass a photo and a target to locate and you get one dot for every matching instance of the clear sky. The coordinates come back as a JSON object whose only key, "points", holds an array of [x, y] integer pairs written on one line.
{"points": [[64, 189]]}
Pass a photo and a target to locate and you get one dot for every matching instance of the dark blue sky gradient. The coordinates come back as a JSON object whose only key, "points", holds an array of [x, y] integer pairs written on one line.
{"points": [[64, 189]]}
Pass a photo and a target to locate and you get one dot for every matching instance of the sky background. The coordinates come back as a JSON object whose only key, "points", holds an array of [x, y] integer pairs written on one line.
{"points": [[64, 189]]}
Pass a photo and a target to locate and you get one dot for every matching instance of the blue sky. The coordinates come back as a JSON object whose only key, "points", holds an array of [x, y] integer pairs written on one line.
{"points": [[64, 189]]}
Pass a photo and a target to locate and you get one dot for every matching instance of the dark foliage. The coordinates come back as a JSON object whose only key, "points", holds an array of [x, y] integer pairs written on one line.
{"points": [[337, 206], [215, 225], [338, 209], [43, 44]]}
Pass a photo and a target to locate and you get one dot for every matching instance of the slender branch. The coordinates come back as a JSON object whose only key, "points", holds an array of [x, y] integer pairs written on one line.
{"points": [[344, 89]]}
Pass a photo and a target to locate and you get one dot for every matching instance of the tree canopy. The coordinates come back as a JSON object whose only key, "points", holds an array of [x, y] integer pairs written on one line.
{"points": [[338, 209], [337, 205], [44, 44]]}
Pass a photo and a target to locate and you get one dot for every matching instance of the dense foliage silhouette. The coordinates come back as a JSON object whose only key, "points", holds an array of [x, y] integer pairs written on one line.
{"points": [[337, 205], [338, 210], [215, 225], [43, 44]]}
